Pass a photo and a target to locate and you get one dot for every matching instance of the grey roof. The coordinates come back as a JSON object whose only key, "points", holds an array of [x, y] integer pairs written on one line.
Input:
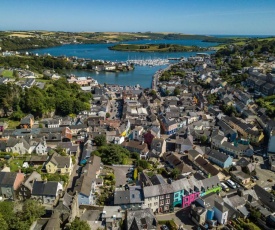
{"points": [[242, 162], [27, 119], [211, 182], [7, 178], [14, 141], [207, 166], [194, 153], [157, 179], [265, 197], [60, 161], [42, 188], [132, 196], [235, 201], [35, 176], [217, 155], [54, 222], [157, 190], [141, 219]]}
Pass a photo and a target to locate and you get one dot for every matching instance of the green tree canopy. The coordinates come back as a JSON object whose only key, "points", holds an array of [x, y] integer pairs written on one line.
{"points": [[78, 224], [112, 154], [100, 140]]}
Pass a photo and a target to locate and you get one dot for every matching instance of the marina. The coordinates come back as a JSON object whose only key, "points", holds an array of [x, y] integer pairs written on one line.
{"points": [[149, 62]]}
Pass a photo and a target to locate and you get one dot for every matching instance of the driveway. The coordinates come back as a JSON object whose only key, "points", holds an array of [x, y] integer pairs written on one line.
{"points": [[120, 174], [180, 217]]}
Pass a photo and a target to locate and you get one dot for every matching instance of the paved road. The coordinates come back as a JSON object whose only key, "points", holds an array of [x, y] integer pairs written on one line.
{"points": [[74, 175]]}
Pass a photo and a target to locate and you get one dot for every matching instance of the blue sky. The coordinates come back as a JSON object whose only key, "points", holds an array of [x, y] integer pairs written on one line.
{"points": [[185, 16]]}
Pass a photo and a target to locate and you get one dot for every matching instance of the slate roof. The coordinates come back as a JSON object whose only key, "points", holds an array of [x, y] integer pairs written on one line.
{"points": [[211, 182], [157, 190], [242, 162], [217, 155], [141, 219], [132, 196], [207, 166], [42, 188], [157, 179], [60, 161], [27, 119], [7, 178], [54, 222], [35, 176], [265, 197]]}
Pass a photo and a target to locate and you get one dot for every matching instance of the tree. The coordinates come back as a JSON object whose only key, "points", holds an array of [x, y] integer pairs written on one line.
{"points": [[176, 91], [203, 139], [100, 140], [108, 115], [32, 210], [143, 164], [175, 173], [78, 224], [135, 175], [4, 225], [153, 92], [112, 154], [6, 211]]}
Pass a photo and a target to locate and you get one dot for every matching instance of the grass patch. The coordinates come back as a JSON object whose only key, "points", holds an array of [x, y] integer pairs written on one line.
{"points": [[15, 165], [7, 73], [13, 124]]}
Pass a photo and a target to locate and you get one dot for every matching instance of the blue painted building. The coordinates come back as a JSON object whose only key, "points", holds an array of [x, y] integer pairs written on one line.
{"points": [[220, 159]]}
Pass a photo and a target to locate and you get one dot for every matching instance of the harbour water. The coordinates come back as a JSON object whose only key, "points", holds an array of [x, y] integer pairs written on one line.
{"points": [[141, 75]]}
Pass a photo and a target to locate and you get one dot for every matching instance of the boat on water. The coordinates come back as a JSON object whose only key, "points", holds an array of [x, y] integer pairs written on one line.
{"points": [[149, 62]]}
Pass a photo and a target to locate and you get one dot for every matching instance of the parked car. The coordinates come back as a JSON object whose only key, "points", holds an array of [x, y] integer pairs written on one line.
{"points": [[129, 175], [256, 177], [164, 227]]}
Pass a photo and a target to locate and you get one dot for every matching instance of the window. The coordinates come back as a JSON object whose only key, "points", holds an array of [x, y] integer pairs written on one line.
{"points": [[176, 195], [167, 196], [168, 201], [166, 207], [161, 197], [161, 202]]}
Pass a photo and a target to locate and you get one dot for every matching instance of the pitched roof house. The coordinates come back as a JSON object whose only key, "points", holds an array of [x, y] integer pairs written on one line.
{"points": [[59, 164], [9, 184], [141, 220]]}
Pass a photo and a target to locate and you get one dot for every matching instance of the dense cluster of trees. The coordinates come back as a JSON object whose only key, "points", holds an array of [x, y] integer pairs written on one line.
{"points": [[60, 96], [19, 220], [36, 63], [166, 75], [39, 63], [20, 43], [155, 47], [253, 45], [112, 154]]}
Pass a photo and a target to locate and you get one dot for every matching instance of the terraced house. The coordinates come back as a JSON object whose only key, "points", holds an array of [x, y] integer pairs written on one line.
{"points": [[180, 193]]}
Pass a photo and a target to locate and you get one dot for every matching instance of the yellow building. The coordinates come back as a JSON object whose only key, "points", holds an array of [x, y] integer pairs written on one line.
{"points": [[59, 164]]}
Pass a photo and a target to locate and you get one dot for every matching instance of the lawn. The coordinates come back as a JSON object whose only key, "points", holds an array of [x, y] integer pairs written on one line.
{"points": [[7, 73], [15, 165], [13, 124]]}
